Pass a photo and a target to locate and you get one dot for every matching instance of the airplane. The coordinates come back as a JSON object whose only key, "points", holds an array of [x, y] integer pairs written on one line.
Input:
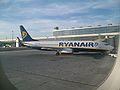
{"points": [[64, 46]]}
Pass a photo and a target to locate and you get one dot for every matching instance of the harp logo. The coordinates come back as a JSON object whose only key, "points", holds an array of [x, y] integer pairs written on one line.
{"points": [[24, 34]]}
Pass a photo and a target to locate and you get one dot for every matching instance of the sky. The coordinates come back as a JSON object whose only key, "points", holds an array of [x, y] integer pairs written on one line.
{"points": [[40, 17]]}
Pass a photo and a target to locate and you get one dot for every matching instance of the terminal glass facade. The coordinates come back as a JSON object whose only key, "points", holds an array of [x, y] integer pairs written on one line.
{"points": [[89, 30]]}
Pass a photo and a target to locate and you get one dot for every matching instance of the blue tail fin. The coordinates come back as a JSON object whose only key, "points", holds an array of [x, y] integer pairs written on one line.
{"points": [[25, 35], [20, 43]]}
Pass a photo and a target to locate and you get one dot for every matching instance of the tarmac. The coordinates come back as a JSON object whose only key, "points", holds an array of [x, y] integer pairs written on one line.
{"points": [[43, 70]]}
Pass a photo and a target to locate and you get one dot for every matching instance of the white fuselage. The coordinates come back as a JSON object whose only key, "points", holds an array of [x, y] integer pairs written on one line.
{"points": [[98, 45]]}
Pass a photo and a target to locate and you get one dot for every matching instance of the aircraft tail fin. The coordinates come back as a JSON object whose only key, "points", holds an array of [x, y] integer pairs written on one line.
{"points": [[18, 39], [20, 43], [25, 35]]}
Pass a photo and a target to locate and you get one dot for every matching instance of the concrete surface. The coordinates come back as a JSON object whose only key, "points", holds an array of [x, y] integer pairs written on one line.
{"points": [[13, 49], [41, 70]]}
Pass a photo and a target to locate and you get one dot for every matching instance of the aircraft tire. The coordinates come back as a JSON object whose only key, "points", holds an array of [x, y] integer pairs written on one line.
{"points": [[57, 53]]}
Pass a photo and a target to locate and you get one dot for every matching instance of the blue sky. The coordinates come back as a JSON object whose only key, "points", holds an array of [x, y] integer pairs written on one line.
{"points": [[40, 16]]}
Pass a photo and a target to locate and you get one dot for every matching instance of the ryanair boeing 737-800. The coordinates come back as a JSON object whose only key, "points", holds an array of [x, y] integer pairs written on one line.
{"points": [[64, 46]]}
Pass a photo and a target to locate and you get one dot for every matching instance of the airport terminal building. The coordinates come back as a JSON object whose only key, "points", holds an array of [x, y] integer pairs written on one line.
{"points": [[110, 33]]}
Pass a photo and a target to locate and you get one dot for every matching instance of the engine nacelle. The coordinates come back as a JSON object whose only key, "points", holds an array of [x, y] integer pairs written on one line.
{"points": [[67, 50]]}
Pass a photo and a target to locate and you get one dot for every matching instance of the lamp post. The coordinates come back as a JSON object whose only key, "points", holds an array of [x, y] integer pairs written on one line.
{"points": [[12, 35], [12, 38]]}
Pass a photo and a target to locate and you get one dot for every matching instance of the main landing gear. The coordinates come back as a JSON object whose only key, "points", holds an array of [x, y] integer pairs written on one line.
{"points": [[58, 53]]}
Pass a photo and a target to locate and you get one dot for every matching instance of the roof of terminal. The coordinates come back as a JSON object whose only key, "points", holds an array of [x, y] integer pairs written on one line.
{"points": [[85, 27]]}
